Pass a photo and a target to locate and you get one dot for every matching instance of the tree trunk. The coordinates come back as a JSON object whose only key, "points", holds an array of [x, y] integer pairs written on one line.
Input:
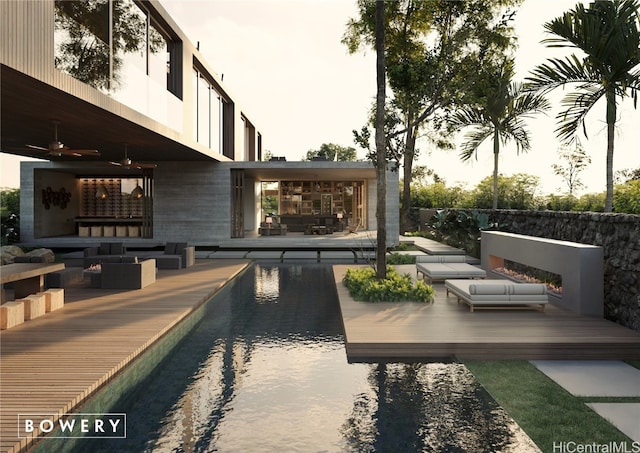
{"points": [[409, 150], [381, 145], [611, 129], [496, 153]]}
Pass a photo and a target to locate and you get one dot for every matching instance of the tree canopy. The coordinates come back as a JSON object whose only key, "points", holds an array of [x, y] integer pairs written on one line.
{"points": [[498, 114], [609, 35], [331, 151], [433, 49]]}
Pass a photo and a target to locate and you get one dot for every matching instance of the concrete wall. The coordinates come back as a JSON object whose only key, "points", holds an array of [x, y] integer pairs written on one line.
{"points": [[191, 202], [35, 220], [579, 265], [393, 208], [617, 234], [57, 220]]}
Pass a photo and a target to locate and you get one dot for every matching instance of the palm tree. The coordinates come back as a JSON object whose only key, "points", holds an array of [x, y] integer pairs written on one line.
{"points": [[607, 32], [500, 117]]}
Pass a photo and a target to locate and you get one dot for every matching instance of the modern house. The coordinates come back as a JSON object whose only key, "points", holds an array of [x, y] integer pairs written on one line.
{"points": [[142, 139]]}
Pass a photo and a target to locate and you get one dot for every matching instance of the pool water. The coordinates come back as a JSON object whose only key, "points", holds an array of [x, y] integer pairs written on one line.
{"points": [[266, 371]]}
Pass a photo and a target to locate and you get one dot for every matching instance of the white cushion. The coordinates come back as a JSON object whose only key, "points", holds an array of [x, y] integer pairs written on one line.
{"points": [[428, 259], [491, 289], [523, 289]]}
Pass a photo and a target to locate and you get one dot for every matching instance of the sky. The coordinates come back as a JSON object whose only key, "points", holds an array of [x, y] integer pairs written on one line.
{"points": [[284, 63]]}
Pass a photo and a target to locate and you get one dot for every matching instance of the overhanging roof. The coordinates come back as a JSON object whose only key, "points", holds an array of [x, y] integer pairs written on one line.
{"points": [[29, 106], [306, 170]]}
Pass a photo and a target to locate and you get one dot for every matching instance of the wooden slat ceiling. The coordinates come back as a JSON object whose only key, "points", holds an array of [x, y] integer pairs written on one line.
{"points": [[28, 108]]}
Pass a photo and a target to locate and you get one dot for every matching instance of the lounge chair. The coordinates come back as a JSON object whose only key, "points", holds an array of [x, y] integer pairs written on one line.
{"points": [[498, 294], [442, 267]]}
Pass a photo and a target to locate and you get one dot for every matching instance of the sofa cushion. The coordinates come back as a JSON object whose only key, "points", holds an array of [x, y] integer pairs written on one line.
{"points": [[170, 248], [441, 259], [180, 246], [29, 259], [117, 248], [491, 289], [428, 259], [105, 248], [465, 270], [168, 261], [525, 289], [437, 270]]}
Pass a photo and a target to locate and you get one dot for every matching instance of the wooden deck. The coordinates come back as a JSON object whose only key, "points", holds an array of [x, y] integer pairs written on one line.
{"points": [[448, 329], [52, 363]]}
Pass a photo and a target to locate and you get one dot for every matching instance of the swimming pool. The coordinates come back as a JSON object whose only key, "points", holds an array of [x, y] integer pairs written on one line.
{"points": [[266, 371]]}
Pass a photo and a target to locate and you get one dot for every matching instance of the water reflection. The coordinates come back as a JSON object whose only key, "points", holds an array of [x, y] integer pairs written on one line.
{"points": [[266, 371], [429, 408]]}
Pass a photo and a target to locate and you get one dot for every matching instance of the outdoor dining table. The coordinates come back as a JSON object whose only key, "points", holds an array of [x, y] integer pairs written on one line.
{"points": [[27, 278]]}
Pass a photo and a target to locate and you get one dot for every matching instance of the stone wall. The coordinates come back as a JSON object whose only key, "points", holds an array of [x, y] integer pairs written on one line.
{"points": [[618, 234]]}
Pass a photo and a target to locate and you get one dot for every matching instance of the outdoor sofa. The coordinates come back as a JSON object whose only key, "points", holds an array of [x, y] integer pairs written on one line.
{"points": [[128, 275], [498, 293], [272, 229], [176, 255], [442, 267], [104, 253]]}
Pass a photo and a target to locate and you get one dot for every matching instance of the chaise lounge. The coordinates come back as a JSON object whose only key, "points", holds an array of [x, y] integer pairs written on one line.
{"points": [[494, 294], [442, 267]]}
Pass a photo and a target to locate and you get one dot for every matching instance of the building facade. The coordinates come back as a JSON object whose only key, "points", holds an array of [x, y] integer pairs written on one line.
{"points": [[141, 139]]}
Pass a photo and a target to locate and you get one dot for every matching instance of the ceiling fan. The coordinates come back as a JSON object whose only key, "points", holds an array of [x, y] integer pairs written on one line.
{"points": [[58, 149], [128, 164]]}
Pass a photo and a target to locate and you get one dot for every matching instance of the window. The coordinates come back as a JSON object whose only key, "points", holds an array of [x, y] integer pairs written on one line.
{"points": [[249, 140], [211, 126], [113, 45]]}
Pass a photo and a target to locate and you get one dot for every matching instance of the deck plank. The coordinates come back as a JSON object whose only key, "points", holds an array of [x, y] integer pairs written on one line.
{"points": [[448, 329], [96, 334]]}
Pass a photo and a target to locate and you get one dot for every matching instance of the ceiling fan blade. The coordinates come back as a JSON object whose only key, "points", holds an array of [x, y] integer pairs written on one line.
{"points": [[40, 148], [83, 152], [58, 149], [141, 166]]}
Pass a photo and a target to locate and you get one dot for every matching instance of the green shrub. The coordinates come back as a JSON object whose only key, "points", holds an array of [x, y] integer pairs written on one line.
{"points": [[461, 228], [363, 285], [561, 202], [10, 215], [626, 197], [399, 258], [592, 202]]}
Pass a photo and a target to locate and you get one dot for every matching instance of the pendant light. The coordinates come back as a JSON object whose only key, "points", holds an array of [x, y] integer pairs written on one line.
{"points": [[102, 193], [137, 193]]}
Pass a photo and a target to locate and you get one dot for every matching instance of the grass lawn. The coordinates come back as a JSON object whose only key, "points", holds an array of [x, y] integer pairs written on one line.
{"points": [[634, 363], [546, 411]]}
